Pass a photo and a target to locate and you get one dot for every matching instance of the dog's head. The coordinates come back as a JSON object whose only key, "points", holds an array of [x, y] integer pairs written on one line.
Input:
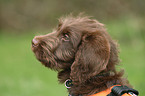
{"points": [[80, 44]]}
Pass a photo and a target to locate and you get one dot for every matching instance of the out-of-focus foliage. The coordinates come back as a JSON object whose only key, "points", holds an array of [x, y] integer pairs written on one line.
{"points": [[22, 15]]}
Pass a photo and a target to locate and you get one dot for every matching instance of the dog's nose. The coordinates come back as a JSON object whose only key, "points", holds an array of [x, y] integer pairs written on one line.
{"points": [[35, 42]]}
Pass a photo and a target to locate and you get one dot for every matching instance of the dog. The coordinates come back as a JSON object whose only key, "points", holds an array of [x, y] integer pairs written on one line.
{"points": [[83, 53]]}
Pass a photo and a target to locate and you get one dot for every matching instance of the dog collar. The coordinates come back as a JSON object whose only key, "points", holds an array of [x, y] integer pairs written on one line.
{"points": [[68, 83]]}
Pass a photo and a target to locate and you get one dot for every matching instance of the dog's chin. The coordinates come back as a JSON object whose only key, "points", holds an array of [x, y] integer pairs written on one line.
{"points": [[52, 63], [57, 66]]}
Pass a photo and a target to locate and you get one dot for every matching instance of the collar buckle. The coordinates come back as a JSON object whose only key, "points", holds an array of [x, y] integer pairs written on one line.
{"points": [[68, 83]]}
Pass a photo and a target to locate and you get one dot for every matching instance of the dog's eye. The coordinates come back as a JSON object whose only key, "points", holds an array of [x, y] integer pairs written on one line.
{"points": [[65, 37]]}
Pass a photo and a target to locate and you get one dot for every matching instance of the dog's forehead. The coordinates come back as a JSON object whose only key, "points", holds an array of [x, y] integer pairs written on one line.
{"points": [[78, 25], [66, 24]]}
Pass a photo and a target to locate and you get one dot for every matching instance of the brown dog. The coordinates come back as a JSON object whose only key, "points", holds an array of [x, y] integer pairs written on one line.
{"points": [[80, 50]]}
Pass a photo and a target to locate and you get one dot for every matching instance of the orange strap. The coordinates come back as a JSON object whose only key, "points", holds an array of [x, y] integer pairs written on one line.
{"points": [[107, 91]]}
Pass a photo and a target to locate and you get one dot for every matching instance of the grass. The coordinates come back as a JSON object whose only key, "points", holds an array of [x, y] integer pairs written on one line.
{"points": [[22, 75]]}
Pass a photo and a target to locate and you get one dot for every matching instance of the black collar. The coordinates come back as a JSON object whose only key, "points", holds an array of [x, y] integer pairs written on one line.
{"points": [[69, 84]]}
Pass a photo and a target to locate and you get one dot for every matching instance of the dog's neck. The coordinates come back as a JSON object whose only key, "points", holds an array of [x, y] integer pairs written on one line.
{"points": [[94, 84], [69, 83]]}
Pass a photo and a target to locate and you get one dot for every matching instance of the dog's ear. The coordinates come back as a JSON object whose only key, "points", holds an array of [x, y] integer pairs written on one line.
{"points": [[91, 58]]}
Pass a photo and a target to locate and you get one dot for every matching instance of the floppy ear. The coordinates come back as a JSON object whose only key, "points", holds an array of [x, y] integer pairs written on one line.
{"points": [[91, 58]]}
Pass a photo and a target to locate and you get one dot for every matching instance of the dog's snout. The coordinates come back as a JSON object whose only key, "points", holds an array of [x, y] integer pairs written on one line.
{"points": [[35, 42]]}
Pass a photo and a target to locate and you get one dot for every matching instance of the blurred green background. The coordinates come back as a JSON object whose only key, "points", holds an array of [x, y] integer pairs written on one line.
{"points": [[20, 20]]}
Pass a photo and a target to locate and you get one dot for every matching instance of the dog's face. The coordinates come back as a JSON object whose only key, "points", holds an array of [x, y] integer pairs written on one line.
{"points": [[57, 49], [79, 44]]}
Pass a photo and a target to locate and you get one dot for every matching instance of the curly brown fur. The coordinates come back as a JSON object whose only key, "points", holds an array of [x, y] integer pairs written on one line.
{"points": [[80, 49]]}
